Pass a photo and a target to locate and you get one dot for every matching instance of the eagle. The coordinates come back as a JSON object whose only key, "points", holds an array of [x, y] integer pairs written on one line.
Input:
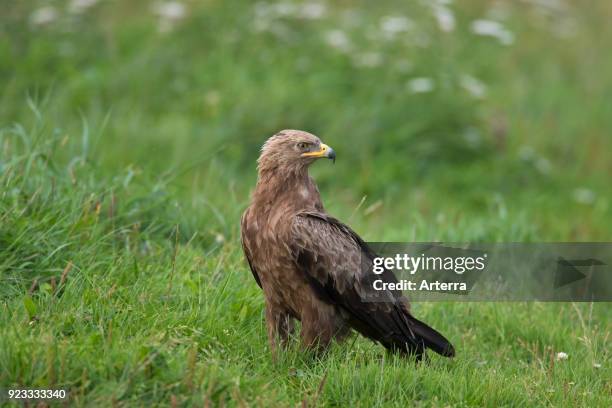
{"points": [[310, 265]]}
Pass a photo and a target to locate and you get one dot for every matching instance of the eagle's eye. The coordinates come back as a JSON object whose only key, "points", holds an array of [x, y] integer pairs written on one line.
{"points": [[303, 146]]}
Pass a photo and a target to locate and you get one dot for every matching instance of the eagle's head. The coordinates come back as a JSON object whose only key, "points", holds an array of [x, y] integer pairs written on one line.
{"points": [[292, 150]]}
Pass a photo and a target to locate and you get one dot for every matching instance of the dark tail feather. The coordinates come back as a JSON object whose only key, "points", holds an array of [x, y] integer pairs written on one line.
{"points": [[414, 336], [398, 331], [430, 337]]}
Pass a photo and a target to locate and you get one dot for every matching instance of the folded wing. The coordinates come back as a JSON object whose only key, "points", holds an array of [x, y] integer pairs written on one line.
{"points": [[337, 264]]}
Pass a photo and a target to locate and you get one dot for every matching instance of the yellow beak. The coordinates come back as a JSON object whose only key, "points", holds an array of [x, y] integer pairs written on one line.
{"points": [[324, 151]]}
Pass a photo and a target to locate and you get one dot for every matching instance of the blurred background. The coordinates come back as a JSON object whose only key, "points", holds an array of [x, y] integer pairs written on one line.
{"points": [[479, 120], [129, 132]]}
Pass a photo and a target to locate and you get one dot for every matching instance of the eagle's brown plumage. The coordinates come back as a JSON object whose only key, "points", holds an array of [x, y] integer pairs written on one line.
{"points": [[309, 264]]}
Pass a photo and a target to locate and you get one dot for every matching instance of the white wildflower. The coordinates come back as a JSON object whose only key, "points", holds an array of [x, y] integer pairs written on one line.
{"points": [[561, 356], [543, 165], [596, 365], [490, 28], [420, 85], [79, 6], [169, 14], [306, 11], [584, 196], [312, 11], [284, 9], [391, 26], [445, 17], [170, 10], [264, 17], [473, 86], [43, 16], [338, 39]]}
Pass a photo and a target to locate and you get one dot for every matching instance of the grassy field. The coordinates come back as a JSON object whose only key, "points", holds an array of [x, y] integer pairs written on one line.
{"points": [[128, 138]]}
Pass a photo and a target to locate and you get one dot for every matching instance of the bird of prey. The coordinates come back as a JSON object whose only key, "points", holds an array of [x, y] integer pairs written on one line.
{"points": [[310, 265]]}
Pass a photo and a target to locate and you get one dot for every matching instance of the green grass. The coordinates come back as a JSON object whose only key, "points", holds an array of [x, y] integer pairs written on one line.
{"points": [[127, 156]]}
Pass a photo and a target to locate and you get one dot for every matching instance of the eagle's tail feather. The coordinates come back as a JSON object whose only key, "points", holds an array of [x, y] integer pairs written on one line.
{"points": [[412, 336], [430, 337]]}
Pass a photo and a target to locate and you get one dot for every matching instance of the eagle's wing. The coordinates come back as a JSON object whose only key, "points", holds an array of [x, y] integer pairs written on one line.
{"points": [[247, 243], [336, 261]]}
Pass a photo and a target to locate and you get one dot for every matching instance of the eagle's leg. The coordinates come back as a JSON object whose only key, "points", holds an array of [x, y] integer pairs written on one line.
{"points": [[321, 324], [280, 326]]}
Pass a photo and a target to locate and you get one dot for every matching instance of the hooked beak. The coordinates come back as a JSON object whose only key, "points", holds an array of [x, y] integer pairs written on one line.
{"points": [[324, 151]]}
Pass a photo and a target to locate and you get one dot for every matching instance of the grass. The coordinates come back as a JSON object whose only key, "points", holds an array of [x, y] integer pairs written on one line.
{"points": [[127, 155]]}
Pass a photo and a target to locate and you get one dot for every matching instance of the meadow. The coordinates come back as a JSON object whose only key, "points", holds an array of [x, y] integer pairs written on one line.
{"points": [[128, 138]]}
